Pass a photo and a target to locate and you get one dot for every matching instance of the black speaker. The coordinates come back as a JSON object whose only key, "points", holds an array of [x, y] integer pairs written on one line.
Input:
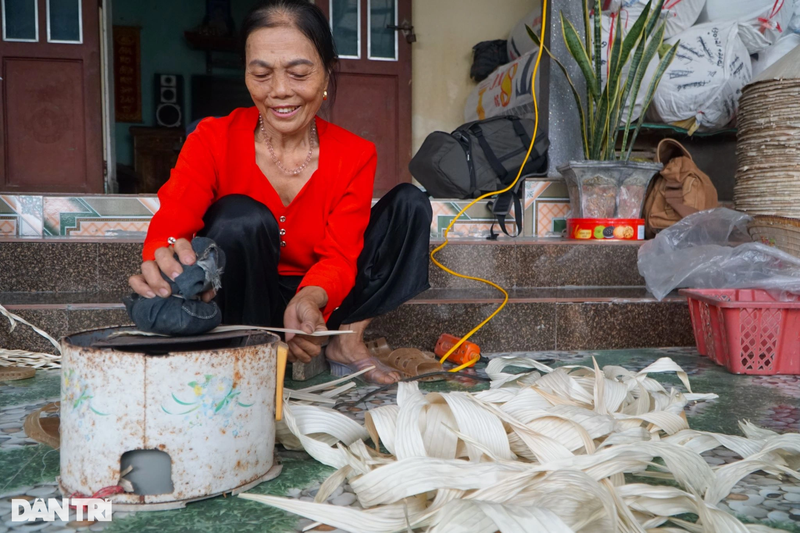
{"points": [[169, 100]]}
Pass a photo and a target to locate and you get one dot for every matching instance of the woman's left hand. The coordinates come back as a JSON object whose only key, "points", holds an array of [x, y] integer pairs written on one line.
{"points": [[304, 312]]}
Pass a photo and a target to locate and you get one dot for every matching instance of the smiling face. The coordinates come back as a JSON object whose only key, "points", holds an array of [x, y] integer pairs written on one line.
{"points": [[285, 77]]}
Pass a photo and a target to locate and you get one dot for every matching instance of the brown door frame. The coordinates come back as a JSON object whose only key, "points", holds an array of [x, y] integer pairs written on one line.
{"points": [[387, 68], [92, 94]]}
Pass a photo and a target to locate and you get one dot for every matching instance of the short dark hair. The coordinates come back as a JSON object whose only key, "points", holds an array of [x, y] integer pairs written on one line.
{"points": [[303, 15]]}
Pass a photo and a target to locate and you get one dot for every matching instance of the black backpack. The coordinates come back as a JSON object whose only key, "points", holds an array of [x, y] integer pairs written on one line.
{"points": [[481, 157], [487, 56]]}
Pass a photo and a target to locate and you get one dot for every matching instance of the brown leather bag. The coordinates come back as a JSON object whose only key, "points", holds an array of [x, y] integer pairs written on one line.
{"points": [[678, 191]]}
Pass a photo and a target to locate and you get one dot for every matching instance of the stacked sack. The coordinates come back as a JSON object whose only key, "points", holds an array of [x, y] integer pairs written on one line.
{"points": [[701, 88], [761, 22], [507, 91], [680, 15], [724, 43]]}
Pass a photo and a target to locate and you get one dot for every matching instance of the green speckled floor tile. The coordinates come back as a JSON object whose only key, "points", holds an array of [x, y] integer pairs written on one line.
{"points": [[769, 401]]}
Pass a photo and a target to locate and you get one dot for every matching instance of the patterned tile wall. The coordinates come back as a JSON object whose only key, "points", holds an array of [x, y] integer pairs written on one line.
{"points": [[545, 207], [98, 216], [476, 223], [75, 216], [20, 216]]}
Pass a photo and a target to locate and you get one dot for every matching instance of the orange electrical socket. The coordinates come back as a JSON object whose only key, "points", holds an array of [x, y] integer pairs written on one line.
{"points": [[464, 354]]}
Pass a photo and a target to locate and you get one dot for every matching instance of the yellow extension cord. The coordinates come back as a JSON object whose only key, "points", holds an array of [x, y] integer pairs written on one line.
{"points": [[483, 197]]}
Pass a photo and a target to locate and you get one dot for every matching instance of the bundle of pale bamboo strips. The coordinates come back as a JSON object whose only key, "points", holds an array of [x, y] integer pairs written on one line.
{"points": [[542, 451], [24, 358]]}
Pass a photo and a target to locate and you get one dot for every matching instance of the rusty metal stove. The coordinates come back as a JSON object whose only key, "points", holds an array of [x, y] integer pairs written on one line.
{"points": [[193, 417]]}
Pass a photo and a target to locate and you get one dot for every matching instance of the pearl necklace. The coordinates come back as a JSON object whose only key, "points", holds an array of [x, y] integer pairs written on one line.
{"points": [[291, 172]]}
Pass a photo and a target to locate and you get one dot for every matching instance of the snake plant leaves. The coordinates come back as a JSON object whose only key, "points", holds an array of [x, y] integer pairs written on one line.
{"points": [[649, 53], [654, 17], [598, 39], [578, 52], [662, 67]]}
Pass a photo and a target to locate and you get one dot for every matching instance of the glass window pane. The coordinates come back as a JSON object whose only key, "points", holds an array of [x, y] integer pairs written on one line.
{"points": [[64, 20], [345, 24], [382, 39], [19, 20]]}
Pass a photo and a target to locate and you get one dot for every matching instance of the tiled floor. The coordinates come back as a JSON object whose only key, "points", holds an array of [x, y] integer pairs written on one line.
{"points": [[773, 402]]}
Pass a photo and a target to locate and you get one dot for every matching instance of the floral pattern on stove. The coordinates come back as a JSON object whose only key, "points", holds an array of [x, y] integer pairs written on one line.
{"points": [[212, 397], [77, 394]]}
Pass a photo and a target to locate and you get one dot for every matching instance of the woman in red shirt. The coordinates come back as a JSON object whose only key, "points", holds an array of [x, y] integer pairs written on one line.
{"points": [[287, 197]]}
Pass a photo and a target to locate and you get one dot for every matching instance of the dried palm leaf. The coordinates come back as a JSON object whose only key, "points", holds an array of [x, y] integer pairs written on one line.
{"points": [[544, 450]]}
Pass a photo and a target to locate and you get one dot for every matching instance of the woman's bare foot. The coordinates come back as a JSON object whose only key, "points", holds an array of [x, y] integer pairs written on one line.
{"points": [[350, 350]]}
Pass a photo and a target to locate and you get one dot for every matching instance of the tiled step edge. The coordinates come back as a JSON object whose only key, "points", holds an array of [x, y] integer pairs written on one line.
{"points": [[86, 266], [543, 323]]}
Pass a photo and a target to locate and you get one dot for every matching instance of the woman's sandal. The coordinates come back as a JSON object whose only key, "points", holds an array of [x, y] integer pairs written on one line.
{"points": [[341, 370], [408, 361]]}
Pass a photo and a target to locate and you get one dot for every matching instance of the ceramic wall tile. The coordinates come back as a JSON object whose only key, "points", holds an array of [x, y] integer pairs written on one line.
{"points": [[476, 223], [20, 216], [98, 216], [546, 205]]}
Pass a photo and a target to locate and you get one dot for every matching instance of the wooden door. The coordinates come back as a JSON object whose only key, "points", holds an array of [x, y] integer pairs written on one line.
{"points": [[373, 97], [51, 137]]}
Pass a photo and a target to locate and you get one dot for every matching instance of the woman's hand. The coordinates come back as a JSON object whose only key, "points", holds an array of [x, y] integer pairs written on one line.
{"points": [[304, 312], [149, 282]]}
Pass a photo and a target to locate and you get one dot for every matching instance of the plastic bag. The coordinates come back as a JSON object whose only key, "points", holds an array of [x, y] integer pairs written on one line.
{"points": [[519, 42], [487, 56], [763, 21], [507, 91], [679, 15], [705, 80], [766, 58], [713, 250]]}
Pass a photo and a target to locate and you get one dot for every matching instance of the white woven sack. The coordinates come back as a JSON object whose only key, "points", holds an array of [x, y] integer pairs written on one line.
{"points": [[794, 24], [678, 14], [519, 42], [763, 21], [507, 91], [766, 58], [706, 78]]}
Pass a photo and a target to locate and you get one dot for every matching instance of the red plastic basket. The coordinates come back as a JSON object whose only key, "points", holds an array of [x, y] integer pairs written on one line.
{"points": [[746, 330]]}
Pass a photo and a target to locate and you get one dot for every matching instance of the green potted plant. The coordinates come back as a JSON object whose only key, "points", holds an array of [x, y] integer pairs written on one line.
{"points": [[608, 184]]}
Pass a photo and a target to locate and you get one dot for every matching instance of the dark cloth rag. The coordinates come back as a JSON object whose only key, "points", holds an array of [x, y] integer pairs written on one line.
{"points": [[184, 313]]}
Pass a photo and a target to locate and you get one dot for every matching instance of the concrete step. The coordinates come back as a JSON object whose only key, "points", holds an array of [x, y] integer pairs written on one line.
{"points": [[74, 264], [534, 319]]}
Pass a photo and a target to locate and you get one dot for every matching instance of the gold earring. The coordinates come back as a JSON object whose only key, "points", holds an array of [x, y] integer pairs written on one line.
{"points": [[325, 94]]}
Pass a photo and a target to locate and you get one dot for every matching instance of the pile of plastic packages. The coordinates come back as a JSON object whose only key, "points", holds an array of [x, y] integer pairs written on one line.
{"points": [[724, 45]]}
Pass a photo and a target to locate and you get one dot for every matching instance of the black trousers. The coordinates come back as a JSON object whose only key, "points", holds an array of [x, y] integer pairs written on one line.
{"points": [[392, 267]]}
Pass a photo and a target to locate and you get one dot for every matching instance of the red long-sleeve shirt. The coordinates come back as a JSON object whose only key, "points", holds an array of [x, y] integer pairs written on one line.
{"points": [[325, 222]]}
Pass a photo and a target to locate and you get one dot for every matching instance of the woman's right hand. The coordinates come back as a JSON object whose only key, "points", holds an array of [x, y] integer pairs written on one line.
{"points": [[150, 283]]}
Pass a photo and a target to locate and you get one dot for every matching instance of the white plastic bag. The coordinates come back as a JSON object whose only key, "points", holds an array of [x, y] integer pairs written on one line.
{"points": [[712, 250], [766, 58], [678, 14], [507, 91], [519, 42], [794, 24], [763, 21], [705, 79]]}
